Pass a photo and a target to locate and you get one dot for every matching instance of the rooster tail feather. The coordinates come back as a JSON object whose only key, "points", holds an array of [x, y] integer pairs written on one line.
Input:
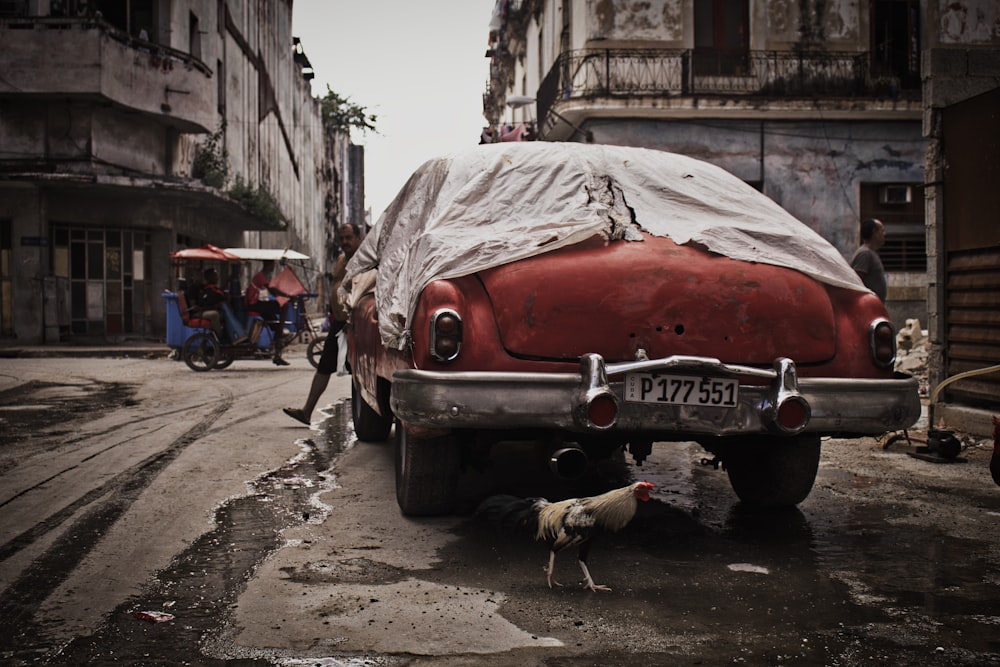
{"points": [[512, 514]]}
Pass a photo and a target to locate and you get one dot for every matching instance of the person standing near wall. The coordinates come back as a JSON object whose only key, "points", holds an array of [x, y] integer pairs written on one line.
{"points": [[349, 237], [866, 260]]}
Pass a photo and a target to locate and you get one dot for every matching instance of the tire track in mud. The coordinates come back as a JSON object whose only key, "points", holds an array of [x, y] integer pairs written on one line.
{"points": [[21, 599], [202, 583]]}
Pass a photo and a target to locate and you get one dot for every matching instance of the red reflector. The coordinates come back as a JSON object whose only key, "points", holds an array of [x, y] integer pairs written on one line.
{"points": [[792, 414], [602, 411]]}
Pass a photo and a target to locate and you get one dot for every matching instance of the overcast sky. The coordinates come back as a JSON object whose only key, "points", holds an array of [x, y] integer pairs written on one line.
{"points": [[419, 65]]}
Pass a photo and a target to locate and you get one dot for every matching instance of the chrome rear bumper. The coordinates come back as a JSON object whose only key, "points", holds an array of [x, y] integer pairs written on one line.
{"points": [[487, 400]]}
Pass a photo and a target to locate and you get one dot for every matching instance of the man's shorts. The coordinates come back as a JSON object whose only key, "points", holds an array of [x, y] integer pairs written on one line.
{"points": [[328, 360]]}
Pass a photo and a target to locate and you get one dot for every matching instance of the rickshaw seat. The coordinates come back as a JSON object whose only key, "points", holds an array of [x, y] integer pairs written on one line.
{"points": [[193, 322]]}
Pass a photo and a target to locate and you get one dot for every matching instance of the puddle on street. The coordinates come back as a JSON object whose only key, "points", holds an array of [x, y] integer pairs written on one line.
{"points": [[204, 581], [26, 409], [913, 566]]}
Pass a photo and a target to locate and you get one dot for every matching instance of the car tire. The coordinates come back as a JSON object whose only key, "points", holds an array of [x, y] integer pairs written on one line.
{"points": [[426, 473], [772, 472], [315, 350], [369, 425], [201, 352]]}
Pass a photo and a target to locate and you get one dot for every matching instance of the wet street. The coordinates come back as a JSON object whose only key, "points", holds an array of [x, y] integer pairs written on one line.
{"points": [[151, 515]]}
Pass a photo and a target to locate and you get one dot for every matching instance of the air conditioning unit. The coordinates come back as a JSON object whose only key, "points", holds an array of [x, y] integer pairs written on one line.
{"points": [[895, 194]]}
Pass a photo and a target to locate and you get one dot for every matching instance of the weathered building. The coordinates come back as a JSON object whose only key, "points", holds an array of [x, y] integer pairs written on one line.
{"points": [[961, 71], [132, 128], [816, 103]]}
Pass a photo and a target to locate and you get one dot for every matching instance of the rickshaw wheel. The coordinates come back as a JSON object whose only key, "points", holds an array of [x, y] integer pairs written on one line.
{"points": [[201, 352], [315, 350], [225, 360]]}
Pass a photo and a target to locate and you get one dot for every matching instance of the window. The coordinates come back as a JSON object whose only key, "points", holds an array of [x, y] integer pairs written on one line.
{"points": [[721, 37], [220, 83], [900, 207], [895, 41], [142, 16], [194, 36], [102, 272]]}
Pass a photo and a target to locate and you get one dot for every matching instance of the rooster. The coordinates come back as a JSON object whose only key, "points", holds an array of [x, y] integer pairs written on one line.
{"points": [[569, 522], [995, 459]]}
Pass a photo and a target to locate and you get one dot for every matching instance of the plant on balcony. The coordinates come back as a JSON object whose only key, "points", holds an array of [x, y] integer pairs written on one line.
{"points": [[339, 113], [211, 160], [257, 201], [886, 86]]}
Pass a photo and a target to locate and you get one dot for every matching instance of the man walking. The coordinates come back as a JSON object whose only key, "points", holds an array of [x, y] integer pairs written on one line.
{"points": [[866, 261], [349, 237]]}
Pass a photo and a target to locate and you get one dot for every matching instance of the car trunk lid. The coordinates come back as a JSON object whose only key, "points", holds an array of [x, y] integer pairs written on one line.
{"points": [[615, 298]]}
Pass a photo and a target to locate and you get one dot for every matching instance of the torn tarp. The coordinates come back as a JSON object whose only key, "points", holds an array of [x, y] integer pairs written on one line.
{"points": [[498, 203]]}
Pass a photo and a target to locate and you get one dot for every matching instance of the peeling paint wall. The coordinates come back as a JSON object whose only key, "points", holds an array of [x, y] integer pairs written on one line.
{"points": [[635, 20], [972, 22], [775, 24], [832, 24], [842, 20], [811, 168]]}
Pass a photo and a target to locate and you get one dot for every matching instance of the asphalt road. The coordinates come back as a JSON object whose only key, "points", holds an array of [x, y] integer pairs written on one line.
{"points": [[136, 485]]}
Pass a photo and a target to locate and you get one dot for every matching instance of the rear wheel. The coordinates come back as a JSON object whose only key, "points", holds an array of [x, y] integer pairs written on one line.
{"points": [[201, 352], [315, 350], [225, 360], [426, 473], [773, 471], [368, 424]]}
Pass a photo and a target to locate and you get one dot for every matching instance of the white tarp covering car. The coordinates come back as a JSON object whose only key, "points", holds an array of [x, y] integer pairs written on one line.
{"points": [[494, 204]]}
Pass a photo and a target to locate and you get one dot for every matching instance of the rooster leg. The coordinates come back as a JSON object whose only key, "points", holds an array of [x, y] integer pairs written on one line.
{"points": [[550, 569], [588, 580], [589, 583]]}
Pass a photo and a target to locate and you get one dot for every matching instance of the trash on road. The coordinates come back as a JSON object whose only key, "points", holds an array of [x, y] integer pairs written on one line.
{"points": [[154, 616]]}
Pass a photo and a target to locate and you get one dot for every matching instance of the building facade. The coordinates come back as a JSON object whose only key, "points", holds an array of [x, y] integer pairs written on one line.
{"points": [[132, 128], [815, 103]]}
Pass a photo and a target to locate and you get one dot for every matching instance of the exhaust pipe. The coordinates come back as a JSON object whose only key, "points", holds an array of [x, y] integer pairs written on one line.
{"points": [[569, 463]]}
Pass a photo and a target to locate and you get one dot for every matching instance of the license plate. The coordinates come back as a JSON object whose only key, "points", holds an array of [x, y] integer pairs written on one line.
{"points": [[681, 390]]}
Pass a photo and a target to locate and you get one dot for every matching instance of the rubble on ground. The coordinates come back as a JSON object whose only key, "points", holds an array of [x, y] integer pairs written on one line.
{"points": [[912, 349]]}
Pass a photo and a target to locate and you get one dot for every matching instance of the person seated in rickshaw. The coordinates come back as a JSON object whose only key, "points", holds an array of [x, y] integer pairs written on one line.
{"points": [[211, 301], [271, 311], [193, 282]]}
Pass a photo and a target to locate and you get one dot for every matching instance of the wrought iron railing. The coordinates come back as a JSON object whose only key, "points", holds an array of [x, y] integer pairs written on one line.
{"points": [[628, 73]]}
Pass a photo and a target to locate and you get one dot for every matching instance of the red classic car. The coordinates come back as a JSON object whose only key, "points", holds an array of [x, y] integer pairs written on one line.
{"points": [[604, 297]]}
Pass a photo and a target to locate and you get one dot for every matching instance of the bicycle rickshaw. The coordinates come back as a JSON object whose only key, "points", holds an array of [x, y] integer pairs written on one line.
{"points": [[248, 335]]}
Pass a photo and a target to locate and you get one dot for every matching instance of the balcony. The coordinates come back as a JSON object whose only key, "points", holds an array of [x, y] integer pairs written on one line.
{"points": [[674, 79], [82, 58]]}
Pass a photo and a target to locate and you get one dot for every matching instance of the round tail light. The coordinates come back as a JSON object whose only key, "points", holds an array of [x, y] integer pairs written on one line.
{"points": [[882, 338], [445, 334]]}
